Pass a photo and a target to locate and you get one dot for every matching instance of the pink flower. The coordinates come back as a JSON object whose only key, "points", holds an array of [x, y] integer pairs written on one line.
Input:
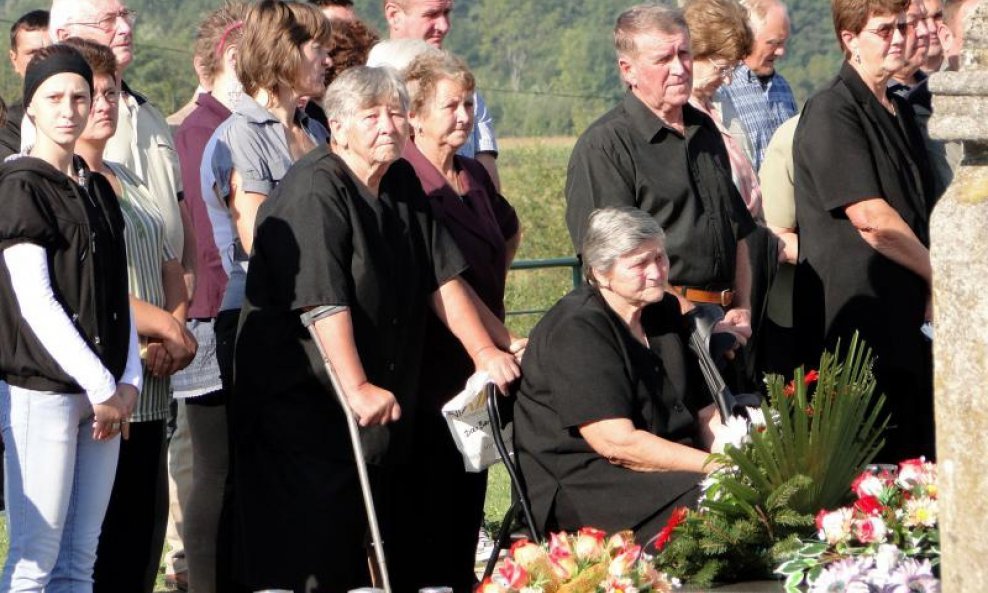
{"points": [[622, 564], [589, 544], [619, 585], [835, 526], [513, 574], [870, 530], [869, 505], [916, 472], [867, 484], [564, 567], [559, 545], [526, 553], [620, 541]]}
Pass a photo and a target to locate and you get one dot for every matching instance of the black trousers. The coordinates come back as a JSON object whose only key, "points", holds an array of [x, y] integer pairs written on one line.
{"points": [[132, 538], [436, 512]]}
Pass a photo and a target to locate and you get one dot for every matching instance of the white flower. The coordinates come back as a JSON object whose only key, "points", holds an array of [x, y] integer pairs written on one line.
{"points": [[734, 432], [921, 511], [845, 576], [836, 526], [887, 558], [756, 417], [870, 486]]}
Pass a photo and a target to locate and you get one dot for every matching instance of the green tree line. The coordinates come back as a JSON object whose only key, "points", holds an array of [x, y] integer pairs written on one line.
{"points": [[545, 67]]}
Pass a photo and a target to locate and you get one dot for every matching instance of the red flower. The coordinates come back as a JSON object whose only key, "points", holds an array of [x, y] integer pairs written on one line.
{"points": [[869, 505], [810, 411], [789, 390], [677, 517], [811, 377]]}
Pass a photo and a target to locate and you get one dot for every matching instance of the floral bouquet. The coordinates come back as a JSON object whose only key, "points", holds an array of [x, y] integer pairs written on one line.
{"points": [[585, 562], [793, 457], [886, 541]]}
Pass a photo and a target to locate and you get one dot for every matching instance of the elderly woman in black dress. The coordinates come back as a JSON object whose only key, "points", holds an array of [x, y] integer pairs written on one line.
{"points": [[348, 226], [445, 521], [863, 194], [612, 426]]}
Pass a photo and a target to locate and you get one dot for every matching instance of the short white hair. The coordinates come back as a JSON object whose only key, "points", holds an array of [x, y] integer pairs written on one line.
{"points": [[398, 54], [63, 11], [361, 87]]}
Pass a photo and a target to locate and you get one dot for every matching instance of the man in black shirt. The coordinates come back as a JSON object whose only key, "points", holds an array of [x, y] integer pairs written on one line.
{"points": [[655, 152], [28, 34]]}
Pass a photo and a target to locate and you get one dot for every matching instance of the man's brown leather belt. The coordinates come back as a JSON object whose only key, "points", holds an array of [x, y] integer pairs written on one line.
{"points": [[724, 298]]}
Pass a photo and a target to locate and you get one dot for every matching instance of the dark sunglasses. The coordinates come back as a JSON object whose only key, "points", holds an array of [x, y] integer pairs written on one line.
{"points": [[888, 29]]}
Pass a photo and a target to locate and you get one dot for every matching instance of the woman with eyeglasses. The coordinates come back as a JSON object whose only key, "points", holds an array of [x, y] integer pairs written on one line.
{"points": [[862, 188], [157, 294], [719, 38]]}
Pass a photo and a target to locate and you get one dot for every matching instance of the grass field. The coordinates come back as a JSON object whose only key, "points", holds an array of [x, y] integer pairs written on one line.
{"points": [[533, 172]]}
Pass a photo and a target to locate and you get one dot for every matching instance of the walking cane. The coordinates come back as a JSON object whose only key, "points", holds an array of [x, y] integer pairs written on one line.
{"points": [[309, 319]]}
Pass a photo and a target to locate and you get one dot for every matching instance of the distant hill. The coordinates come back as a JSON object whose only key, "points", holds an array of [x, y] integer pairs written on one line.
{"points": [[546, 67]]}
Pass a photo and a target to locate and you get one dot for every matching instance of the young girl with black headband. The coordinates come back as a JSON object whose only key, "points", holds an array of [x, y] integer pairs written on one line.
{"points": [[68, 347]]}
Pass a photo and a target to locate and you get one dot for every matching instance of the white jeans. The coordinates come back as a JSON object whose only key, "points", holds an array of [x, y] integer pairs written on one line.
{"points": [[58, 484]]}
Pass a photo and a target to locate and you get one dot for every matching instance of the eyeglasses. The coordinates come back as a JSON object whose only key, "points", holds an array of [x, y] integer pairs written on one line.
{"points": [[724, 69], [111, 96], [108, 22], [888, 29]]}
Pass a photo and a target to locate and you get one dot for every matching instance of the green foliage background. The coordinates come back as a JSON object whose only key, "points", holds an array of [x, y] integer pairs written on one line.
{"points": [[546, 67]]}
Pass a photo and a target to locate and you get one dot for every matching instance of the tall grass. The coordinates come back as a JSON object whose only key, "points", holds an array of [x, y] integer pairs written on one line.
{"points": [[533, 174]]}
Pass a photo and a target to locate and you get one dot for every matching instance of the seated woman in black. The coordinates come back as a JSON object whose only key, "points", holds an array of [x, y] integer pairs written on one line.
{"points": [[611, 430]]}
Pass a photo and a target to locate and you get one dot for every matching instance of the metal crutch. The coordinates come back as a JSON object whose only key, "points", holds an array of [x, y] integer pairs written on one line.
{"points": [[309, 319]]}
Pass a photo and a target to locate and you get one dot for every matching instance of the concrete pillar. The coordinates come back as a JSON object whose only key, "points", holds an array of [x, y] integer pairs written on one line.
{"points": [[959, 252]]}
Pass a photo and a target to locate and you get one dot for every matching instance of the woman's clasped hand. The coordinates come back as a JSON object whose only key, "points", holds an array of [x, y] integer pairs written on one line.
{"points": [[110, 417]]}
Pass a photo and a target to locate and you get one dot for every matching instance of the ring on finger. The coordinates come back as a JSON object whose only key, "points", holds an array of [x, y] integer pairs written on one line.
{"points": [[114, 426]]}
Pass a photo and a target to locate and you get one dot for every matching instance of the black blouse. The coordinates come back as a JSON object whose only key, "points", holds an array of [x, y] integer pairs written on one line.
{"points": [[323, 240], [848, 148], [583, 365]]}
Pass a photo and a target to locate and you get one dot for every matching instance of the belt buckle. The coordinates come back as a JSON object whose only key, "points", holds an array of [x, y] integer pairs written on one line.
{"points": [[726, 298]]}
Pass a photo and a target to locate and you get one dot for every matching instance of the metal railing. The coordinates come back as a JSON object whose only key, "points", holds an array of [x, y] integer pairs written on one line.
{"points": [[540, 264]]}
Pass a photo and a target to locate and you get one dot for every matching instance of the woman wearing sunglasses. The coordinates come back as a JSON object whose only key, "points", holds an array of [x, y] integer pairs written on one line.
{"points": [[863, 193]]}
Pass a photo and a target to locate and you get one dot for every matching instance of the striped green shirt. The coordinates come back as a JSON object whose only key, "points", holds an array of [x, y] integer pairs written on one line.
{"points": [[147, 250]]}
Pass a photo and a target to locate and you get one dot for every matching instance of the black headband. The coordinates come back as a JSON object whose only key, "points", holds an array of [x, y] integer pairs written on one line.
{"points": [[40, 70]]}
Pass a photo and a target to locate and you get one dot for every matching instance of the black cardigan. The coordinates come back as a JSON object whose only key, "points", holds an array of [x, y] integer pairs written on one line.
{"points": [[82, 232]]}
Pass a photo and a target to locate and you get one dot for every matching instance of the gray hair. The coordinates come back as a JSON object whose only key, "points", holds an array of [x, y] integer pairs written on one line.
{"points": [[361, 87], [645, 18], [758, 12], [613, 232], [398, 54]]}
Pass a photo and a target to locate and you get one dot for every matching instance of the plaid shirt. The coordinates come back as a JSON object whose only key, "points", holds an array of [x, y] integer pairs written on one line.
{"points": [[761, 111]]}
